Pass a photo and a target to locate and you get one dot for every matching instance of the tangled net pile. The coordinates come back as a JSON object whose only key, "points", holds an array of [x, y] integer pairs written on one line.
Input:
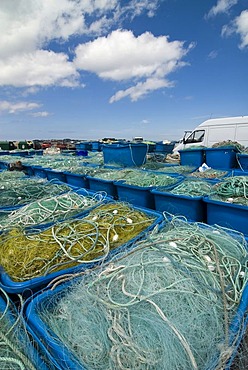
{"points": [[191, 188], [58, 207], [209, 174], [166, 305], [149, 179], [232, 190], [25, 190], [236, 145], [25, 255], [15, 349]]}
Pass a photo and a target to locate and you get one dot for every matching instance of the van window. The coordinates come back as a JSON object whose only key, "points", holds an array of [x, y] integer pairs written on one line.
{"points": [[195, 137]]}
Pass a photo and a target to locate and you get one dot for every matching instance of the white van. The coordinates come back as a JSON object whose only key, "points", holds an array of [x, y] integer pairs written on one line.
{"points": [[216, 130]]}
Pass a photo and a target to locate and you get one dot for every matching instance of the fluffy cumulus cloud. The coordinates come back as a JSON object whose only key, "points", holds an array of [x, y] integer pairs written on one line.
{"points": [[122, 56], [222, 6], [28, 26], [16, 107], [239, 26], [41, 67]]}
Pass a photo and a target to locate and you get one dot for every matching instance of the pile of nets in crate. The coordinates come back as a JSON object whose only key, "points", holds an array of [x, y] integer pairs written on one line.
{"points": [[16, 350], [30, 253], [51, 209], [25, 189], [180, 169], [168, 304], [191, 187], [209, 173], [232, 190], [146, 179]]}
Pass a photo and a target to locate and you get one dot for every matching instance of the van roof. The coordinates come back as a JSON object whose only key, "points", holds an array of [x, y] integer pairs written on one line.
{"points": [[225, 120]]}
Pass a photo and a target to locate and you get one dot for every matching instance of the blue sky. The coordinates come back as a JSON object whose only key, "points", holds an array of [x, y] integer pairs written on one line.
{"points": [[88, 69]]}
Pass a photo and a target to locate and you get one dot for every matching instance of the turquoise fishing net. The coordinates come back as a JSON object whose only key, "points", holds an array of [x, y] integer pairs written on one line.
{"points": [[232, 190], [191, 188], [27, 189], [168, 304], [50, 209], [16, 350]]}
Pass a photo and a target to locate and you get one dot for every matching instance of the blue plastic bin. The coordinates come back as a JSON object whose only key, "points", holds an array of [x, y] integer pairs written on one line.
{"points": [[95, 146], [192, 157], [97, 184], [54, 174], [126, 155], [76, 179], [3, 165], [84, 145], [83, 153], [193, 208], [229, 215], [242, 160], [164, 148], [136, 195], [222, 158], [59, 350], [40, 171]]}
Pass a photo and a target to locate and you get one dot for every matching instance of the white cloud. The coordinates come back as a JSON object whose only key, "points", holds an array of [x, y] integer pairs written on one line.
{"points": [[240, 27], [222, 6], [122, 56], [213, 54], [141, 89], [41, 67], [40, 114], [15, 107], [28, 26]]}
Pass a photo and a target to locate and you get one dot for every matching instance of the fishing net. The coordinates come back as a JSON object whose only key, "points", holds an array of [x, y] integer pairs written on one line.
{"points": [[232, 190], [191, 188], [16, 352], [27, 190], [50, 209], [229, 143], [147, 179], [28, 254], [209, 174], [168, 304]]}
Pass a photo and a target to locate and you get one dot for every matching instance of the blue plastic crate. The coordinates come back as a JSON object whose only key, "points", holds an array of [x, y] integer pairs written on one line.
{"points": [[54, 174], [136, 195], [192, 157], [95, 146], [28, 287], [3, 165], [193, 208], [28, 169], [58, 349], [39, 171], [126, 155], [141, 195], [76, 179], [229, 215], [98, 184], [222, 158], [164, 148], [242, 160], [84, 145]]}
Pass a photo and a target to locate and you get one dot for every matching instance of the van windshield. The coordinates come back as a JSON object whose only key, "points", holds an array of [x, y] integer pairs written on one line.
{"points": [[195, 137]]}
